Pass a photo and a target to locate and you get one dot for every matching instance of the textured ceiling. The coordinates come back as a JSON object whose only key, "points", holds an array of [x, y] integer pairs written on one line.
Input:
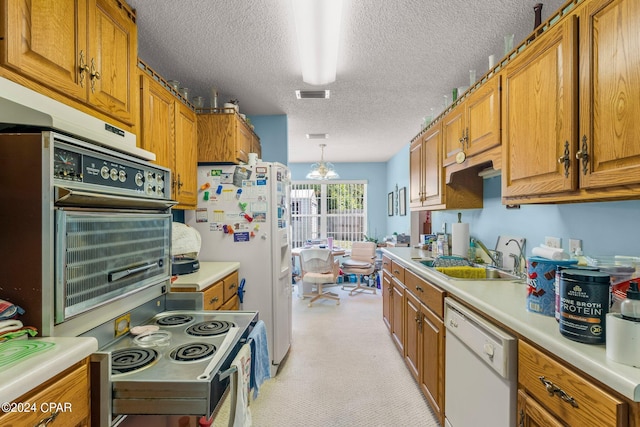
{"points": [[397, 60]]}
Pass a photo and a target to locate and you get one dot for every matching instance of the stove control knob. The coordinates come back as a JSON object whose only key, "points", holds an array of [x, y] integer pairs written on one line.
{"points": [[139, 179], [122, 176], [104, 172], [114, 174]]}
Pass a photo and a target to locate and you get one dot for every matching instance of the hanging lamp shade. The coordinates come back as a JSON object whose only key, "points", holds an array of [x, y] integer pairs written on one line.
{"points": [[322, 170]]}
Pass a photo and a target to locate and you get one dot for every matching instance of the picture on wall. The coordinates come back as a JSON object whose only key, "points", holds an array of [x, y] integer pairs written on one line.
{"points": [[402, 201], [390, 204]]}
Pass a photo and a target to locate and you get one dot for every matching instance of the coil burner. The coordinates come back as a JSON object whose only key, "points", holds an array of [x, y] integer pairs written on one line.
{"points": [[132, 359], [192, 351], [210, 328], [175, 320]]}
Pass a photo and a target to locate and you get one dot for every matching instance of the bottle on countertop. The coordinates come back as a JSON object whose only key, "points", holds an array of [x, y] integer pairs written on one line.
{"points": [[630, 307], [472, 251]]}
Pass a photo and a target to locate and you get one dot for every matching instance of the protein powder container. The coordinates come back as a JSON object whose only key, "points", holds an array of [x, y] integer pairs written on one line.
{"points": [[556, 284], [585, 297]]}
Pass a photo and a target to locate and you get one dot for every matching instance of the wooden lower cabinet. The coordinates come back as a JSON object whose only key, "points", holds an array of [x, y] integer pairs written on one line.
{"points": [[552, 393], [62, 401], [219, 295], [413, 313]]}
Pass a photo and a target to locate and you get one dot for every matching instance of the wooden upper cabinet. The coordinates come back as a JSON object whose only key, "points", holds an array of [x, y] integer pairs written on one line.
{"points": [[47, 41], [416, 182], [425, 169], [186, 166], [85, 50], [168, 129], [473, 126], [540, 115], [608, 151], [225, 138]]}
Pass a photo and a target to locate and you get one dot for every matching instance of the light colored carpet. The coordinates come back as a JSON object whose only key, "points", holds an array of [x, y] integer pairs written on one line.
{"points": [[342, 370]]}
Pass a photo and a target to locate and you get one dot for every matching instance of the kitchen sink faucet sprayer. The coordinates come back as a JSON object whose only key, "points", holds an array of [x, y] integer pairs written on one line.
{"points": [[495, 256]]}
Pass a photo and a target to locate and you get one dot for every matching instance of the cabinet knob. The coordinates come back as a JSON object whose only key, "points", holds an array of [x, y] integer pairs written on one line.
{"points": [[583, 154], [94, 75], [565, 159]]}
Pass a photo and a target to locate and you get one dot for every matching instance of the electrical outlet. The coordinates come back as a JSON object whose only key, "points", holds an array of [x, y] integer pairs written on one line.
{"points": [[444, 227], [575, 245], [553, 242]]}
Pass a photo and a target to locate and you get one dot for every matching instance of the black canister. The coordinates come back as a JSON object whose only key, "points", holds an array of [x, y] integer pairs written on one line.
{"points": [[585, 298]]}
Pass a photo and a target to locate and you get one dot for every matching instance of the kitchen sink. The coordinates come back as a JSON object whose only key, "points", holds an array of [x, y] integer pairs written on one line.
{"points": [[491, 273]]}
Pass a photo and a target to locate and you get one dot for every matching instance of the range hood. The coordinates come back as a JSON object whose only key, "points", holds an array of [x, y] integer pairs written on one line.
{"points": [[20, 105]]}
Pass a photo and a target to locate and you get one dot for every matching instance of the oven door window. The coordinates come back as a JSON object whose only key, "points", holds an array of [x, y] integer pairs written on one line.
{"points": [[102, 256]]}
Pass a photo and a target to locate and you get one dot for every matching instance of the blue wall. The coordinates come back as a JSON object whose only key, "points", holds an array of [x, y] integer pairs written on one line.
{"points": [[605, 228], [272, 131], [398, 174], [375, 174]]}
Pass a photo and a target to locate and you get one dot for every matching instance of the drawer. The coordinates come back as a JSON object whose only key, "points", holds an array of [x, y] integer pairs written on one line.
{"points": [[397, 270], [67, 394], [213, 296], [430, 295], [230, 285], [386, 263], [232, 304], [573, 399]]}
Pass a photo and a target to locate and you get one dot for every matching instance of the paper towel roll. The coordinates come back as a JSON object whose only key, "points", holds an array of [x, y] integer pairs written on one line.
{"points": [[623, 337], [460, 239], [549, 253]]}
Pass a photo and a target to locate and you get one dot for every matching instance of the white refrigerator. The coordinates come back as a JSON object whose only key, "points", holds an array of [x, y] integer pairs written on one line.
{"points": [[243, 214]]}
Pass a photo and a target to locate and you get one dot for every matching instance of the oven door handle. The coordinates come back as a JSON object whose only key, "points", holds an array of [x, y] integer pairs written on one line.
{"points": [[117, 275], [78, 198]]}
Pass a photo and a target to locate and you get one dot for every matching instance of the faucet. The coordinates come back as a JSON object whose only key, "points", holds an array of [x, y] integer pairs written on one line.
{"points": [[516, 258], [495, 256]]}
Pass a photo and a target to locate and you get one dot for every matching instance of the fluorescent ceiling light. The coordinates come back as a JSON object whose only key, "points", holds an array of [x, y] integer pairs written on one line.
{"points": [[317, 135], [318, 31]]}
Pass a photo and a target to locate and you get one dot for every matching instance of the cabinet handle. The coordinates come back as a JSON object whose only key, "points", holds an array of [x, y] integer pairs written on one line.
{"points": [[46, 421], [213, 300], [553, 389], [566, 159], [396, 271], [82, 68], [583, 155], [95, 75], [521, 422], [233, 285], [465, 134], [419, 320], [179, 183], [418, 288]]}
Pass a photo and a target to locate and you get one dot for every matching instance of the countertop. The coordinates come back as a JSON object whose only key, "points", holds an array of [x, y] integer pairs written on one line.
{"points": [[19, 378], [209, 273], [505, 302]]}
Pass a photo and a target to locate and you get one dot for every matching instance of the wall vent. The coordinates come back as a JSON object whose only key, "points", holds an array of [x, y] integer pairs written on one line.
{"points": [[312, 94]]}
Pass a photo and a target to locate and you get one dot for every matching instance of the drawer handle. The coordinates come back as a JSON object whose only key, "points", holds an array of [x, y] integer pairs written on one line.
{"points": [[396, 271], [553, 389], [233, 285], [418, 288], [46, 421], [212, 300]]}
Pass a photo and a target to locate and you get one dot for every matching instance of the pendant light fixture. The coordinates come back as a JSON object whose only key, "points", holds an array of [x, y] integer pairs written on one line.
{"points": [[322, 170]]}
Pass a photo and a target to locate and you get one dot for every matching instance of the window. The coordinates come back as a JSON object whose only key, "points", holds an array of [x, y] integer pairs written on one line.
{"points": [[337, 210]]}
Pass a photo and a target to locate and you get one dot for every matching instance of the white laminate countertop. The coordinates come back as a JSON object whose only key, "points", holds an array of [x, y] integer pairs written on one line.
{"points": [[21, 377], [209, 273], [505, 301]]}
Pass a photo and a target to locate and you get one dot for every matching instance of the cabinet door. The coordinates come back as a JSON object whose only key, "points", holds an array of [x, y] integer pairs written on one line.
{"points": [[413, 337], [415, 173], [539, 115], [213, 296], [482, 119], [186, 158], [157, 121], [387, 295], [47, 41], [232, 304], [397, 313], [432, 361], [230, 286], [432, 169], [113, 52], [243, 142], [609, 103], [532, 414], [453, 133]]}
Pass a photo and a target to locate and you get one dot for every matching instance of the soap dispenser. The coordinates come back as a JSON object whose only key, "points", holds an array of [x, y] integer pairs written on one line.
{"points": [[630, 307]]}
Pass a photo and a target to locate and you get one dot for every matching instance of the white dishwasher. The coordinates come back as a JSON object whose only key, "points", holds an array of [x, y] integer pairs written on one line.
{"points": [[480, 371]]}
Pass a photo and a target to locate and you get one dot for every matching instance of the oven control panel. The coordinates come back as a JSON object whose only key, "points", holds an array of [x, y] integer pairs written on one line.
{"points": [[109, 173]]}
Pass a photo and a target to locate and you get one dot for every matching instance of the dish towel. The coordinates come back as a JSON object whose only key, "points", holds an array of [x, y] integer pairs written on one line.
{"points": [[260, 360], [240, 415]]}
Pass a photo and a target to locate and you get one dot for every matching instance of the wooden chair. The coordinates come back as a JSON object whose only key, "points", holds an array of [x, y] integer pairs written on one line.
{"points": [[318, 267], [362, 263]]}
